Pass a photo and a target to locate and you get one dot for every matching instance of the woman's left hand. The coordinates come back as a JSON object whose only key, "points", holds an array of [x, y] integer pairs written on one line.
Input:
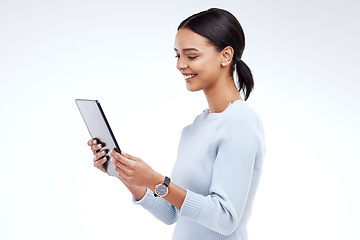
{"points": [[133, 171]]}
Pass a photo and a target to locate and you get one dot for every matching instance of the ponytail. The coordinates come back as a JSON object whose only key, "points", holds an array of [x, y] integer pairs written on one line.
{"points": [[245, 78]]}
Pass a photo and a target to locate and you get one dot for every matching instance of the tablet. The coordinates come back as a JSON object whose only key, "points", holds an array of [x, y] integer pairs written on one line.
{"points": [[99, 128]]}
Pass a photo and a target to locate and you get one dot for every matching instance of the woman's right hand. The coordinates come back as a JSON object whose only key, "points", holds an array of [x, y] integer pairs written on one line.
{"points": [[99, 156]]}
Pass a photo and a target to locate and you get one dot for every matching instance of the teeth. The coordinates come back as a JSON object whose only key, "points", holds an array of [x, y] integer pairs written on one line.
{"points": [[189, 76]]}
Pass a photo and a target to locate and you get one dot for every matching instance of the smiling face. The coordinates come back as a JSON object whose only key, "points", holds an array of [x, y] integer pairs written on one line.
{"points": [[200, 62]]}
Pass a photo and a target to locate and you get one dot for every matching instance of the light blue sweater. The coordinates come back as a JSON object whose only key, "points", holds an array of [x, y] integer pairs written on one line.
{"points": [[219, 162]]}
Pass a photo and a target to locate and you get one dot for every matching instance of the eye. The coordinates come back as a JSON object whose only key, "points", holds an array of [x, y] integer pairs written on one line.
{"points": [[192, 57], [177, 56]]}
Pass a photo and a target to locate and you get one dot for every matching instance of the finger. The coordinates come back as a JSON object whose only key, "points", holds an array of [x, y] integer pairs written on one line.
{"points": [[99, 155], [120, 167], [125, 155], [122, 173], [97, 147], [100, 163], [118, 162], [120, 158], [91, 142], [128, 156]]}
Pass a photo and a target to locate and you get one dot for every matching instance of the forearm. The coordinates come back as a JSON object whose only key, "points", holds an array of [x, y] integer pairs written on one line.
{"points": [[175, 196], [165, 209], [135, 172]]}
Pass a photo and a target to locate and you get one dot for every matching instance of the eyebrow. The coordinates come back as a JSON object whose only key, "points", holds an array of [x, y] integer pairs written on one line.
{"points": [[188, 49]]}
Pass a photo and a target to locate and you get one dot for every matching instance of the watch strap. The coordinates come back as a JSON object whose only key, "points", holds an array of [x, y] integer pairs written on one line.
{"points": [[167, 181]]}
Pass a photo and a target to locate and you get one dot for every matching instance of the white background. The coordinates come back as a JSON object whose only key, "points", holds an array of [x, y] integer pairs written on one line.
{"points": [[304, 55]]}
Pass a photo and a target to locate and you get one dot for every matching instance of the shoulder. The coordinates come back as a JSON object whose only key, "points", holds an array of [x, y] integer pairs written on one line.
{"points": [[241, 123], [242, 128], [241, 112]]}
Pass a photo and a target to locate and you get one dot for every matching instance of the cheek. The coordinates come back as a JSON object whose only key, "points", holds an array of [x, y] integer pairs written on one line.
{"points": [[207, 75], [206, 66], [209, 70]]}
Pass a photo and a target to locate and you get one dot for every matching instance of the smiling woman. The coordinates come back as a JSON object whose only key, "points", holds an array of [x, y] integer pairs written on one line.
{"points": [[214, 180], [219, 35], [200, 63]]}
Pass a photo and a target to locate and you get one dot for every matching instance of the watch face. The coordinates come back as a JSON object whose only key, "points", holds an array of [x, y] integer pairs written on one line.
{"points": [[161, 190]]}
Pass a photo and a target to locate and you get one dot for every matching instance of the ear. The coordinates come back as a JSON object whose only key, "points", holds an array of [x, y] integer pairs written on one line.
{"points": [[227, 56]]}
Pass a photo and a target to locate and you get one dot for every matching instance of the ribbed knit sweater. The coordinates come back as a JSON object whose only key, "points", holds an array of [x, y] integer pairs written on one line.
{"points": [[219, 164]]}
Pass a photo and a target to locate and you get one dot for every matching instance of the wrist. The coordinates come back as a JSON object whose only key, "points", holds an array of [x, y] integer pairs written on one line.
{"points": [[162, 189], [156, 180]]}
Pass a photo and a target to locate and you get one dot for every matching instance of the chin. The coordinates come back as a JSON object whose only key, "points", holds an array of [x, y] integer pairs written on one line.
{"points": [[193, 87]]}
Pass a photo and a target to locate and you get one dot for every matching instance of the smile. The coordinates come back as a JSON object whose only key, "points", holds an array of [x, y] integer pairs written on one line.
{"points": [[189, 76]]}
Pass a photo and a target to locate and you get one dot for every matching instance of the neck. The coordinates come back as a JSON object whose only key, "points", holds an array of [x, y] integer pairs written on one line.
{"points": [[221, 94]]}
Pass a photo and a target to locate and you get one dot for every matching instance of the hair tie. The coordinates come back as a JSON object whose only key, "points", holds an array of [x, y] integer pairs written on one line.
{"points": [[238, 58]]}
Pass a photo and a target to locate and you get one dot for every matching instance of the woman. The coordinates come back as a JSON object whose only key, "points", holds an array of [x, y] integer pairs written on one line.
{"points": [[220, 155]]}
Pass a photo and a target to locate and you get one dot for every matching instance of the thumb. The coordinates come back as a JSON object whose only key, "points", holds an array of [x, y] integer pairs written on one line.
{"points": [[131, 157]]}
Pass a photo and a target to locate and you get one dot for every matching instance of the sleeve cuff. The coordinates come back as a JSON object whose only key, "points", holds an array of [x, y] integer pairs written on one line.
{"points": [[147, 201], [192, 205]]}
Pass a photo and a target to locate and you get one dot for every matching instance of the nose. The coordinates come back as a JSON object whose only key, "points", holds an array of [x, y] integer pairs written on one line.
{"points": [[181, 64]]}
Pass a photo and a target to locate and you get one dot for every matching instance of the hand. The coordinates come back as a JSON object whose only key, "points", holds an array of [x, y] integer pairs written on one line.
{"points": [[99, 156], [133, 171]]}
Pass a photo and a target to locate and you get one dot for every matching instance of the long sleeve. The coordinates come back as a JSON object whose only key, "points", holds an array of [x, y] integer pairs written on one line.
{"points": [[158, 207], [219, 164], [237, 151]]}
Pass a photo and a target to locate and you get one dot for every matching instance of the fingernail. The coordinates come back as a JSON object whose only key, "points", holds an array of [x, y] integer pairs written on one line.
{"points": [[99, 145], [123, 153], [94, 141]]}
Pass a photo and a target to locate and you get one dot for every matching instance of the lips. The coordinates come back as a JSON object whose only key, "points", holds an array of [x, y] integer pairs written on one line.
{"points": [[188, 77]]}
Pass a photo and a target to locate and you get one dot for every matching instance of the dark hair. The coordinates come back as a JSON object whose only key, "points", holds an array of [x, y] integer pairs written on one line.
{"points": [[222, 29]]}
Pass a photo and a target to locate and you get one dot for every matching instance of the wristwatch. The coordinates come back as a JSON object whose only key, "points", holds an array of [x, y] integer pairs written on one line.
{"points": [[161, 190]]}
